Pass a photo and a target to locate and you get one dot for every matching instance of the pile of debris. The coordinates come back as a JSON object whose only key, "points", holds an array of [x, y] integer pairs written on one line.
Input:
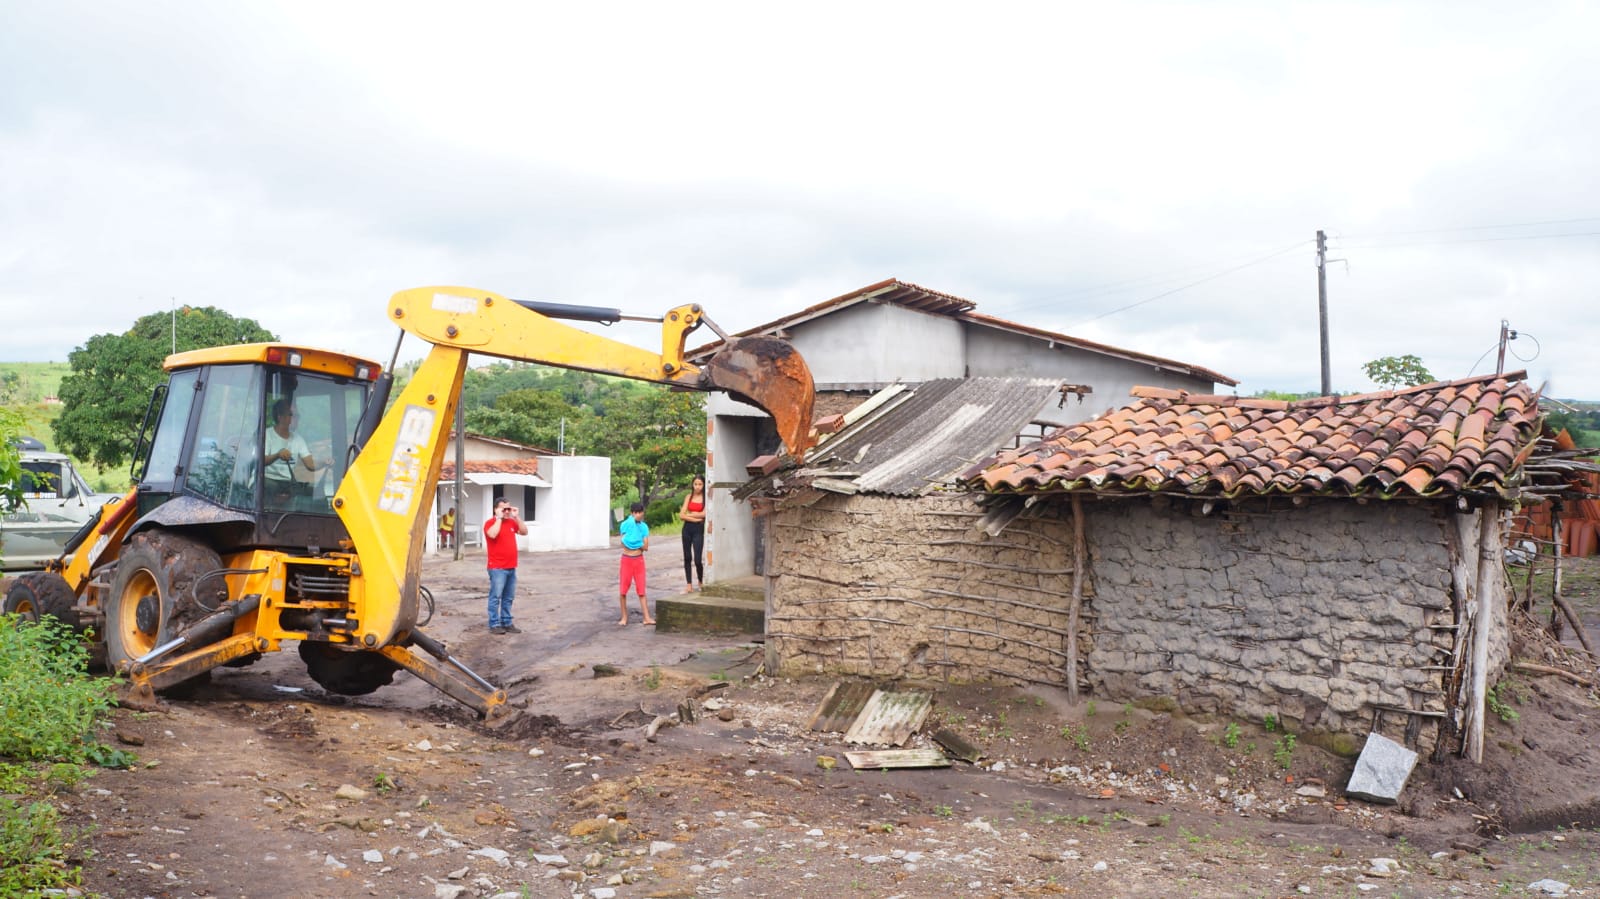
{"points": [[1568, 477]]}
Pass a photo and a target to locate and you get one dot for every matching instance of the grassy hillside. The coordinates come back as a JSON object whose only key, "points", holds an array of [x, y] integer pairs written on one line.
{"points": [[24, 394], [31, 382], [23, 389], [36, 419]]}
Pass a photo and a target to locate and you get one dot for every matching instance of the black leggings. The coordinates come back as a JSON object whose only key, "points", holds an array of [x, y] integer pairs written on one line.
{"points": [[694, 543]]}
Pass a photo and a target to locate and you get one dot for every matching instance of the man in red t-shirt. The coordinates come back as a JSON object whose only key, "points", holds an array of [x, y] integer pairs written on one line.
{"points": [[500, 536]]}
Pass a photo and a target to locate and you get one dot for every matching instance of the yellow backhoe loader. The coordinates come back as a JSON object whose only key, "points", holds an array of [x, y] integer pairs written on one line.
{"points": [[238, 539]]}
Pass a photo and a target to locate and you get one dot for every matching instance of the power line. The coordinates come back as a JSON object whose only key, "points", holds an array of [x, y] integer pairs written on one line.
{"points": [[1472, 228], [1430, 243], [1117, 286], [1174, 290], [1537, 348], [1107, 288]]}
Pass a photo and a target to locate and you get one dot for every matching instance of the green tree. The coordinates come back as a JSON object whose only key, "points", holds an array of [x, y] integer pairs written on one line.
{"points": [[549, 413], [656, 439], [10, 459], [1397, 371], [533, 417], [105, 397], [10, 464], [483, 386]]}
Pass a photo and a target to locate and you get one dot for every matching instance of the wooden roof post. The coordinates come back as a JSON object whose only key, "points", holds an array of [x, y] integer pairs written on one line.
{"points": [[1076, 603]]}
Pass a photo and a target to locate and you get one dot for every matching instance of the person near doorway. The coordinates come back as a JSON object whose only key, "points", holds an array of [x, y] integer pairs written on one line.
{"points": [[693, 515], [447, 528], [500, 537], [635, 542]]}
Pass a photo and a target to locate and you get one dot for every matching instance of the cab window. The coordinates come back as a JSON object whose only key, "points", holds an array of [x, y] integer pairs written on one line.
{"points": [[314, 417], [43, 480], [227, 442], [166, 446]]}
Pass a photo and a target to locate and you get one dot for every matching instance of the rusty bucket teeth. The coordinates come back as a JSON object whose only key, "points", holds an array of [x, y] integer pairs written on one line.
{"points": [[768, 373]]}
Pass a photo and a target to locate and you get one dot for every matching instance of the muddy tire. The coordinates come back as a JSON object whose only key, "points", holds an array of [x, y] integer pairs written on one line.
{"points": [[351, 673], [41, 593], [152, 596]]}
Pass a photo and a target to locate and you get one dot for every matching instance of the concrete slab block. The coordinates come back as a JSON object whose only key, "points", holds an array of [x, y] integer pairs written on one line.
{"points": [[705, 614], [1381, 771]]}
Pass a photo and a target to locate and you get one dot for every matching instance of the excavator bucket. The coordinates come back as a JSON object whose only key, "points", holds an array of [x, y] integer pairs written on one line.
{"points": [[769, 374]]}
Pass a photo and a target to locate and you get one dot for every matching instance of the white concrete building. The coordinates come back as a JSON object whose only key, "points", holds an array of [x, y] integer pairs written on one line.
{"points": [[863, 341], [564, 500]]}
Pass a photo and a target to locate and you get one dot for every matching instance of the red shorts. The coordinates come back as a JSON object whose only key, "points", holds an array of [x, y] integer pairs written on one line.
{"points": [[632, 572]]}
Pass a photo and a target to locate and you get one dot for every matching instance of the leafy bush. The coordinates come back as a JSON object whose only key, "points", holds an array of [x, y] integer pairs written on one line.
{"points": [[662, 511], [51, 705], [49, 714]]}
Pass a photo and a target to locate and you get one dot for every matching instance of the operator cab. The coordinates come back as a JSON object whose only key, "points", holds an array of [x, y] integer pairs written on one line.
{"points": [[255, 438]]}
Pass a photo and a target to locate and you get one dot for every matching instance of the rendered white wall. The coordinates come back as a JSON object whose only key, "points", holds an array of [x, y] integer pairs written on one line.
{"points": [[1001, 354], [572, 513], [871, 343], [730, 532]]}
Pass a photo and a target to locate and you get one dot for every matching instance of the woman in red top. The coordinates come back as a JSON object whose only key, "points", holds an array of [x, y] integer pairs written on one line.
{"points": [[693, 514]]}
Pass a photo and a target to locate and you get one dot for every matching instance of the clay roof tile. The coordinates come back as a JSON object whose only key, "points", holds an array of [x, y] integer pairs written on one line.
{"points": [[1429, 439]]}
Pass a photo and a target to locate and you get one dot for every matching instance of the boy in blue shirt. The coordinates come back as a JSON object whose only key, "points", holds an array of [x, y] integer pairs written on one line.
{"points": [[635, 541]]}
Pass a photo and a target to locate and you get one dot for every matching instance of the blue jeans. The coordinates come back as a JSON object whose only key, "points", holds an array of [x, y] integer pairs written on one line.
{"points": [[502, 590]]}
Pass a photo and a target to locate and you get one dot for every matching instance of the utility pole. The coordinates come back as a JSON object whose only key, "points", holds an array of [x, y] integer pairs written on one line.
{"points": [[1322, 309], [461, 474], [1506, 335]]}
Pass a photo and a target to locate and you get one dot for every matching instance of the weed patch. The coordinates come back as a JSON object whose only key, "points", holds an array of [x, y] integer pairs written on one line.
{"points": [[1498, 704], [47, 729], [1230, 736], [1283, 751], [52, 705]]}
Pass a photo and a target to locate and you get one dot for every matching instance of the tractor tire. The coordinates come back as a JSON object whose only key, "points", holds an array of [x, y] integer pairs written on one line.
{"points": [[152, 597], [41, 593], [347, 672]]}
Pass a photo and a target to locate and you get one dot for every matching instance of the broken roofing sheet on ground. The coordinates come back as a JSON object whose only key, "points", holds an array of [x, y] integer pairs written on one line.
{"points": [[869, 716]]}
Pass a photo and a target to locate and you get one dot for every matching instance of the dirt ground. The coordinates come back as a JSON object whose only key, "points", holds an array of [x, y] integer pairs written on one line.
{"points": [[263, 785]]}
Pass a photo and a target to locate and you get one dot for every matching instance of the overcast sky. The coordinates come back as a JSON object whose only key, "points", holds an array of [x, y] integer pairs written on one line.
{"points": [[1146, 175]]}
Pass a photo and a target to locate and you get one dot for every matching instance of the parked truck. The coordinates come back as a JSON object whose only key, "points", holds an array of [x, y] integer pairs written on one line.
{"points": [[56, 502]]}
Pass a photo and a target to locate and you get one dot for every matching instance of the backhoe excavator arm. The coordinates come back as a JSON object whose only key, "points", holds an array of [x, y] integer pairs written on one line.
{"points": [[765, 372], [385, 497]]}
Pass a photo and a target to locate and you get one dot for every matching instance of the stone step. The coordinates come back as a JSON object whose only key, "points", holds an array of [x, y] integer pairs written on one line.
{"points": [[707, 613]]}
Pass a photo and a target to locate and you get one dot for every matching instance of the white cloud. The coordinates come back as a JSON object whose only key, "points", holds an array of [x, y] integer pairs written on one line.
{"points": [[297, 163]]}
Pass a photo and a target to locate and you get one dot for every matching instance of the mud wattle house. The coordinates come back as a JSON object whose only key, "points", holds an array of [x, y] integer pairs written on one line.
{"points": [[1330, 561]]}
